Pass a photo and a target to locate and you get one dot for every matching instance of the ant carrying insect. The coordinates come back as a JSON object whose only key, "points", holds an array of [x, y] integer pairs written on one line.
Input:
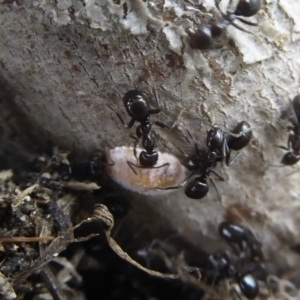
{"points": [[292, 157], [202, 161], [203, 38], [138, 109]]}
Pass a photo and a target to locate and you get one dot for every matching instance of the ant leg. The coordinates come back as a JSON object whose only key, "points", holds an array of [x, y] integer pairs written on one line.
{"points": [[134, 147], [228, 162], [179, 149], [235, 291], [243, 29], [156, 138], [290, 141], [154, 111], [218, 7], [161, 125], [131, 164], [283, 147], [193, 139], [180, 185], [156, 96], [131, 122], [181, 112], [218, 175], [216, 188], [195, 143], [294, 120], [292, 173], [157, 167], [247, 22]]}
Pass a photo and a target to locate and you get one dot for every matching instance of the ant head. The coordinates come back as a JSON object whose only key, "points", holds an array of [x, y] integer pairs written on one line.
{"points": [[248, 8], [136, 105]]}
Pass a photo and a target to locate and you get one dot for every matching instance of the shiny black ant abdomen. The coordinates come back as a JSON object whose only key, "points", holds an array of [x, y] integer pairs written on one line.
{"points": [[248, 285], [290, 159], [203, 38], [240, 136], [138, 109], [232, 233], [248, 8]]}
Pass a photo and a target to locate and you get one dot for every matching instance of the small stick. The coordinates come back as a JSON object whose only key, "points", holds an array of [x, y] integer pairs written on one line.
{"points": [[22, 239], [101, 212]]}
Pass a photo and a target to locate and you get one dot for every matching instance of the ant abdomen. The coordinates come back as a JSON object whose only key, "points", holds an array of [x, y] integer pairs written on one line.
{"points": [[202, 39], [197, 188], [248, 8], [249, 286], [231, 233], [148, 160], [290, 159], [244, 130]]}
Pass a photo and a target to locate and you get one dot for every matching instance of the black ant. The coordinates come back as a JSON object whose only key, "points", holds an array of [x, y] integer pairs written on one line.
{"points": [[203, 38], [198, 187], [244, 239], [237, 139], [138, 109], [223, 268], [291, 158], [202, 162], [93, 168]]}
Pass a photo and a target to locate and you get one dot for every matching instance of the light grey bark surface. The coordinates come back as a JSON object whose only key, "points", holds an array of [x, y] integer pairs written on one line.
{"points": [[63, 61]]}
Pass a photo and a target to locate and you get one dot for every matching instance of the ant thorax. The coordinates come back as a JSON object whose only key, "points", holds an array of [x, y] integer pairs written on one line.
{"points": [[144, 180]]}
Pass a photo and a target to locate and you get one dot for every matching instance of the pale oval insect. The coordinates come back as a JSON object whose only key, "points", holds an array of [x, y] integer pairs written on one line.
{"points": [[146, 180]]}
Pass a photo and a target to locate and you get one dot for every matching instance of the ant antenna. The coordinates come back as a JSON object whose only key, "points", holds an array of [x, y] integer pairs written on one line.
{"points": [[179, 116]]}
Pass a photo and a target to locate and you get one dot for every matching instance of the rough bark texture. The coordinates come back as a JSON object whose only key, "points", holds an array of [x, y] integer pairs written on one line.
{"points": [[63, 61]]}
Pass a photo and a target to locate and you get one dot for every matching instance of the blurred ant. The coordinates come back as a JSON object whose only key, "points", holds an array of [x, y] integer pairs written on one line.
{"points": [[244, 239], [93, 168], [223, 268], [292, 157], [203, 38], [138, 109]]}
